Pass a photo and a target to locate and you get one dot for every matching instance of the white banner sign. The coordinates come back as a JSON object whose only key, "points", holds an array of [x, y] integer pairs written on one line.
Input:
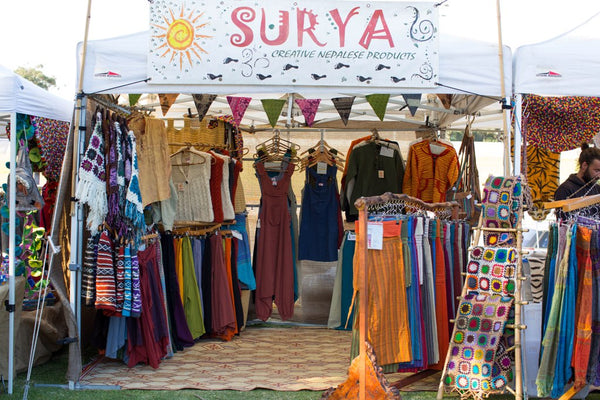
{"points": [[312, 43]]}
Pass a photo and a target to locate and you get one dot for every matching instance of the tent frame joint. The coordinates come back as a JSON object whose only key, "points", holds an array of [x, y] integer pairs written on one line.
{"points": [[74, 267], [11, 308]]}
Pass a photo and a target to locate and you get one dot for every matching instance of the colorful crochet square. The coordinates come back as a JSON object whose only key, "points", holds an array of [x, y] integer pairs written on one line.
{"points": [[502, 198], [492, 270], [560, 123], [478, 362]]}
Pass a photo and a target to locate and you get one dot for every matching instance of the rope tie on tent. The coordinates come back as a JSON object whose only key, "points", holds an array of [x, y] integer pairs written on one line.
{"points": [[469, 92], [116, 87]]}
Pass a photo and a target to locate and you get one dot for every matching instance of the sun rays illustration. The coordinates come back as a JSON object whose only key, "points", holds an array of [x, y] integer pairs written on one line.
{"points": [[181, 35]]}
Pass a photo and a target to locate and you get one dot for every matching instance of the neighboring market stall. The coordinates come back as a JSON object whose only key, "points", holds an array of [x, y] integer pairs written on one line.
{"points": [[557, 103], [19, 96]]}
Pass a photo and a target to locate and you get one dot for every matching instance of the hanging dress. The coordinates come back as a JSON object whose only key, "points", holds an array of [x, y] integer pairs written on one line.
{"points": [[319, 223], [274, 259]]}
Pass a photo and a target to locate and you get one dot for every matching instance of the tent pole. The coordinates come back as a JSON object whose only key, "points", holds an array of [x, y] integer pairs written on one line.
{"points": [[12, 203], [518, 132], [503, 89], [76, 211]]}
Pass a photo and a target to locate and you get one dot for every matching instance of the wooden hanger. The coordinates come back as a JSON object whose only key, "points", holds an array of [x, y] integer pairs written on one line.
{"points": [[190, 148]]}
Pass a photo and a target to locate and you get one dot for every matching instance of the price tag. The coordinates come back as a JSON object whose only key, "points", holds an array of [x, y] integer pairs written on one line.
{"points": [[381, 174], [386, 151], [321, 168], [375, 236], [237, 235], [351, 236], [181, 187]]}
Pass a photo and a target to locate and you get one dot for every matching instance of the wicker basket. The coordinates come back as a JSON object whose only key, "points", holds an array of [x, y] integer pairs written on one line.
{"points": [[210, 132]]}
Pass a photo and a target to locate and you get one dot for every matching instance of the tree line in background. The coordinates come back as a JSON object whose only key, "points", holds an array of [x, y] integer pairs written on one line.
{"points": [[479, 135], [36, 76]]}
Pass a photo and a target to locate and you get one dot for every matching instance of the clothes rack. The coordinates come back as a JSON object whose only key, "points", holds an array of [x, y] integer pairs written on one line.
{"points": [[386, 203]]}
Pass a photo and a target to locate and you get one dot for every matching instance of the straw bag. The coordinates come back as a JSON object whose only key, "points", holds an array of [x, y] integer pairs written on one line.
{"points": [[209, 131], [466, 189]]}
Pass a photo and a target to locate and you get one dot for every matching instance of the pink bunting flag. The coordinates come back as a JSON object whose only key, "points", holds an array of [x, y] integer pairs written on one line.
{"points": [[238, 107], [309, 109]]}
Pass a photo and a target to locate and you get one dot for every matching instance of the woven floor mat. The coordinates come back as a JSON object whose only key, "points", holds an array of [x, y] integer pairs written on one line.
{"points": [[283, 359]]}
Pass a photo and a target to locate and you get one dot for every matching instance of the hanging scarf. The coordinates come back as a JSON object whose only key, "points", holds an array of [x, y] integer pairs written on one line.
{"points": [[134, 209], [91, 188]]}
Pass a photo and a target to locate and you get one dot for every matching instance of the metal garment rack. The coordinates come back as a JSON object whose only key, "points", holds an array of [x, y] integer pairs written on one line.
{"points": [[518, 303], [363, 205]]}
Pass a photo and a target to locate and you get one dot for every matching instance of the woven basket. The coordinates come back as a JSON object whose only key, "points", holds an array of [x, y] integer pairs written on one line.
{"points": [[210, 132]]}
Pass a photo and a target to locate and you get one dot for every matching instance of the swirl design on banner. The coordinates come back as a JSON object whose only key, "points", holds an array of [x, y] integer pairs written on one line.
{"points": [[425, 72], [420, 31], [250, 63], [245, 14], [180, 35]]}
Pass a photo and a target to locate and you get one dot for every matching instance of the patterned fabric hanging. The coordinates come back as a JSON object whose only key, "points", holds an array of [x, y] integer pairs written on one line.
{"points": [[492, 270], [502, 198], [560, 123], [543, 178], [203, 103], [479, 325], [52, 138]]}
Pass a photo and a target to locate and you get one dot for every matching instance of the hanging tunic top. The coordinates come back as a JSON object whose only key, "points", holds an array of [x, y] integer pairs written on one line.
{"points": [[274, 259], [192, 183], [319, 223], [429, 176]]}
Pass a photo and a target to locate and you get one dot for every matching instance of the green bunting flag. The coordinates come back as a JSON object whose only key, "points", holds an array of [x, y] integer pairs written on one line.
{"points": [[273, 109], [378, 103], [133, 99]]}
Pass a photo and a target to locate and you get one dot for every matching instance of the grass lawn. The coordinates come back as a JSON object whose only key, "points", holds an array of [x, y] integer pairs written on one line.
{"points": [[53, 373]]}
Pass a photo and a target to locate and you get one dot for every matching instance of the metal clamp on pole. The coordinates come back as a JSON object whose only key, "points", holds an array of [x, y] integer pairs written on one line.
{"points": [[74, 267], [9, 307]]}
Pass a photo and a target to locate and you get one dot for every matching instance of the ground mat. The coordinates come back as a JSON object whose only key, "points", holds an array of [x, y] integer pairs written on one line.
{"points": [[283, 359]]}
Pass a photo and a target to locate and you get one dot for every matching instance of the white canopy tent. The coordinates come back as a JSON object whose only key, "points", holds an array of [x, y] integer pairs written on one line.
{"points": [[566, 65], [18, 95], [466, 67]]}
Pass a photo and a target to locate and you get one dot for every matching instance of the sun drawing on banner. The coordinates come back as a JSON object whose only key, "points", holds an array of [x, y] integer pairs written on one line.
{"points": [[180, 37]]}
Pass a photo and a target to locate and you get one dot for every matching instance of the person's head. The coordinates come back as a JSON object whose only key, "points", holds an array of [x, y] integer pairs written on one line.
{"points": [[589, 163]]}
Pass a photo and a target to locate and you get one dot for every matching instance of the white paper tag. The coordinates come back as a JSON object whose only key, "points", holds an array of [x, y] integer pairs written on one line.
{"points": [[180, 187], [386, 151], [351, 236], [375, 236], [381, 174], [321, 168], [237, 235]]}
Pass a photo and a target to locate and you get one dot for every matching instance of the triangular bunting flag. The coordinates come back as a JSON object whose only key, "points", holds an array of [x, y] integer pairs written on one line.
{"points": [[203, 102], [273, 109], [238, 107], [411, 100], [133, 99], [343, 105], [166, 101], [309, 109], [446, 100], [378, 103]]}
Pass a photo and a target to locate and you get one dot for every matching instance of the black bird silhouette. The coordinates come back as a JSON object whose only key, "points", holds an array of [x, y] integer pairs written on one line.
{"points": [[213, 77], [381, 66], [396, 80], [262, 77], [340, 66], [229, 60], [363, 78], [289, 66], [317, 77]]}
